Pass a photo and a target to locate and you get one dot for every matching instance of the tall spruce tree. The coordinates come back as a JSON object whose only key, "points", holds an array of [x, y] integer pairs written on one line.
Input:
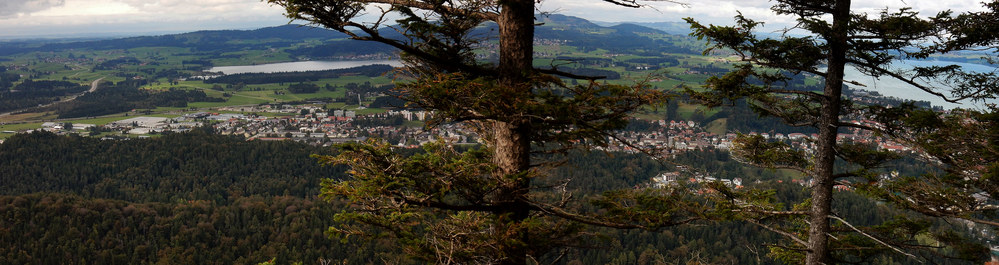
{"points": [[490, 205], [837, 38], [963, 143]]}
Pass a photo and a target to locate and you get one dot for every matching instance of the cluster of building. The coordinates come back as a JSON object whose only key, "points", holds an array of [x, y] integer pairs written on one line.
{"points": [[680, 136], [320, 126], [682, 174]]}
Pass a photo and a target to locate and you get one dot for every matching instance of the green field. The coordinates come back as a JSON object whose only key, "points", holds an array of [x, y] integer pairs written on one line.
{"points": [[719, 126], [156, 64]]}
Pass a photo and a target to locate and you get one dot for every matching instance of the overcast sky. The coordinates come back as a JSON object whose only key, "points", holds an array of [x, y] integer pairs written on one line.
{"points": [[26, 18]]}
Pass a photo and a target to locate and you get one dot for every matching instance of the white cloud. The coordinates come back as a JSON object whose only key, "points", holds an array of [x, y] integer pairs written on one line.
{"points": [[118, 11], [657, 11], [90, 9], [722, 11], [14, 8], [34, 16], [70, 16]]}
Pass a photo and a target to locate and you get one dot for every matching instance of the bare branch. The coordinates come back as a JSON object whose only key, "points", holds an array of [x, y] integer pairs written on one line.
{"points": [[486, 15], [569, 75], [635, 4], [809, 94], [557, 211], [793, 237], [882, 71], [874, 238]]}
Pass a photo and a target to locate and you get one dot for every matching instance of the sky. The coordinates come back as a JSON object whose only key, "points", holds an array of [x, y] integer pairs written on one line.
{"points": [[80, 18]]}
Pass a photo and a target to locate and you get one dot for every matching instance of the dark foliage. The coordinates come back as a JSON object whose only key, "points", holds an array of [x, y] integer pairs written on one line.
{"points": [[116, 63], [188, 166], [388, 102], [605, 74], [124, 96], [302, 88], [7, 79], [209, 199], [342, 48], [32, 93]]}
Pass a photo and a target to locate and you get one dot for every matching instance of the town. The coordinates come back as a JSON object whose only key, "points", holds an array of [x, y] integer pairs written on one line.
{"points": [[314, 124]]}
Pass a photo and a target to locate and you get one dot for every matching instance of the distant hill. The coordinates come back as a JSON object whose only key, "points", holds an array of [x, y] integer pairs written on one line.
{"points": [[677, 28], [563, 22], [208, 40], [624, 38], [577, 31]]}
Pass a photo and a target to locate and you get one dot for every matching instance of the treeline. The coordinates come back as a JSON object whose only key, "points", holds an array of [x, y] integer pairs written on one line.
{"points": [[710, 69], [125, 96], [7, 79], [656, 61], [339, 48], [191, 198], [200, 198], [32, 93], [295, 77], [739, 117], [198, 165], [302, 88], [54, 228], [592, 72], [116, 63]]}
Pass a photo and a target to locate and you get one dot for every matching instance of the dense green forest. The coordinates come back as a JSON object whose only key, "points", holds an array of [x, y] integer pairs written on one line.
{"points": [[197, 165], [58, 228], [30, 93], [192, 198], [202, 198], [125, 96]]}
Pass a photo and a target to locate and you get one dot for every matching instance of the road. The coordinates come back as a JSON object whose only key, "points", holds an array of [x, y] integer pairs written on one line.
{"points": [[93, 87]]}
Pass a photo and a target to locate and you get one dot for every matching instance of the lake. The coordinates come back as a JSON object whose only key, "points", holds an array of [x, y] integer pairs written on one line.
{"points": [[893, 88], [299, 66], [885, 86]]}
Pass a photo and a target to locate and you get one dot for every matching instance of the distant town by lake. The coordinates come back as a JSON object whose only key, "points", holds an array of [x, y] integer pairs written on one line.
{"points": [[299, 66], [891, 87]]}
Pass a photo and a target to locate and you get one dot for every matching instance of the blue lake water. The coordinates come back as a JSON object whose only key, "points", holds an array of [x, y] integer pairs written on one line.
{"points": [[885, 86], [299, 66], [894, 88]]}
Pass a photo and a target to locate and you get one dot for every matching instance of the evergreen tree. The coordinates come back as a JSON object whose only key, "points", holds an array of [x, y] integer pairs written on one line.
{"points": [[490, 205], [839, 38], [962, 143]]}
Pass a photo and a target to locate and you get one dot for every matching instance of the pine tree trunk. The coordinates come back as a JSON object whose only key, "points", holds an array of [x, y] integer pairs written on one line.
{"points": [[822, 186], [511, 137]]}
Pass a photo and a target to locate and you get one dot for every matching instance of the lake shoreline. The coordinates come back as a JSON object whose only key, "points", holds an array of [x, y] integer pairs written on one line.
{"points": [[299, 66]]}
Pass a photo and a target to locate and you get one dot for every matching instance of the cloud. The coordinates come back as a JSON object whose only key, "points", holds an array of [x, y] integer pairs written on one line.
{"points": [[14, 8], [57, 17], [101, 12], [722, 11], [31, 15]]}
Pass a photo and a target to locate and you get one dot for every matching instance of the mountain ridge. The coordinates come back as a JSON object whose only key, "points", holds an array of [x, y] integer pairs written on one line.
{"points": [[553, 26]]}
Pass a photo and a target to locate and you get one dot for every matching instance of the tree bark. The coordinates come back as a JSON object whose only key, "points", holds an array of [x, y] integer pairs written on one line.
{"points": [[818, 233], [511, 135]]}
